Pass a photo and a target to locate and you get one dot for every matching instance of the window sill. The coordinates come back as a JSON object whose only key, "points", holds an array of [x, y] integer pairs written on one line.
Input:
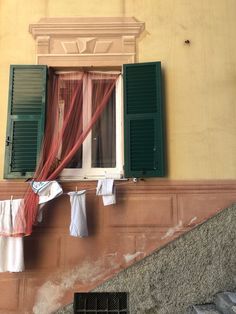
{"points": [[89, 179]]}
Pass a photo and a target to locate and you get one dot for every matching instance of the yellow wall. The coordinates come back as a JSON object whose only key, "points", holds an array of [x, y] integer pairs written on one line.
{"points": [[200, 78]]}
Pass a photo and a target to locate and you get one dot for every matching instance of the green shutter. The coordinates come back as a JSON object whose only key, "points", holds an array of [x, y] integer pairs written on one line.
{"points": [[25, 125], [143, 120]]}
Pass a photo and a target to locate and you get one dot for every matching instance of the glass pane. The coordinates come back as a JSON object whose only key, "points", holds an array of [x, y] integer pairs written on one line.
{"points": [[104, 133], [67, 90], [76, 161]]}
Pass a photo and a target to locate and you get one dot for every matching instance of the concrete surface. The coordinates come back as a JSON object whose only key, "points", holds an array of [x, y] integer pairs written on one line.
{"points": [[190, 270]]}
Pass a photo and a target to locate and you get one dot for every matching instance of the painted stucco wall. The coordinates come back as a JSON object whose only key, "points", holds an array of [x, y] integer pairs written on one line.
{"points": [[200, 77]]}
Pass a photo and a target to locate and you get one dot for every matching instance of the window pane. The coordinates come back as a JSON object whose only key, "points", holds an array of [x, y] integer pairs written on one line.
{"points": [[76, 161], [68, 88], [104, 132]]}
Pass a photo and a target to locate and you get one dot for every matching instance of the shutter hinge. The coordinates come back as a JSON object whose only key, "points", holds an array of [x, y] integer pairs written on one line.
{"points": [[8, 142]]}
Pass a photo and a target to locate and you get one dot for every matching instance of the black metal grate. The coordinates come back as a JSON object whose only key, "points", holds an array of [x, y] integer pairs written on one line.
{"points": [[100, 303]]}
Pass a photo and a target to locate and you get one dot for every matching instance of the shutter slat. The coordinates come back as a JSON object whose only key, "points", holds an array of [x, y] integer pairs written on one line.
{"points": [[27, 97], [22, 145], [143, 117], [141, 89]]}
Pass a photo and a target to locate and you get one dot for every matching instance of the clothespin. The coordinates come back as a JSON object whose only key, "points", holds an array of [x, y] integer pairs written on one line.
{"points": [[11, 199], [76, 189]]}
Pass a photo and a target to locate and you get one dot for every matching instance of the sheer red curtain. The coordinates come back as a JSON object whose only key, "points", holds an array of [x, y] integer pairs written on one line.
{"points": [[68, 122]]}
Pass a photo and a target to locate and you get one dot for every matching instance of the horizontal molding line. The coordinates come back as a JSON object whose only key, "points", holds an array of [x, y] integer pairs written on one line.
{"points": [[93, 55], [165, 187]]}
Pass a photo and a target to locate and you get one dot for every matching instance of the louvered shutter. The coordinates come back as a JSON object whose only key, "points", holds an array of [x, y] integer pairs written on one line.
{"points": [[26, 112], [143, 120]]}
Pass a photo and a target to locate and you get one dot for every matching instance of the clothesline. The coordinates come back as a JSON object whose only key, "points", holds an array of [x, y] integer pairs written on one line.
{"points": [[48, 190], [94, 189]]}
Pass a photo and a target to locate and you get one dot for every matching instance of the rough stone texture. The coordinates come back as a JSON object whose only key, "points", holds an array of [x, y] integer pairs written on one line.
{"points": [[66, 310], [190, 270]]}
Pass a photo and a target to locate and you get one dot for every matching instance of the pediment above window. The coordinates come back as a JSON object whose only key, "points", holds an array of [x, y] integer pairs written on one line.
{"points": [[89, 42]]}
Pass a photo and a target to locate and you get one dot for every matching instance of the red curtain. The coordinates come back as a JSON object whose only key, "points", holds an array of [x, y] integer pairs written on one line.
{"points": [[68, 122]]}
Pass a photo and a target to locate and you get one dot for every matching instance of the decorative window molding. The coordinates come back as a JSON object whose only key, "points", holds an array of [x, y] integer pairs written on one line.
{"points": [[98, 41]]}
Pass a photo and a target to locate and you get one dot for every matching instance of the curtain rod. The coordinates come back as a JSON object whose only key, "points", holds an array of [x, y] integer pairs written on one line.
{"points": [[95, 72]]}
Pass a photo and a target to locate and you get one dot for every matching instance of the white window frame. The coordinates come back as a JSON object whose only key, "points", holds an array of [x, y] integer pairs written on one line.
{"points": [[87, 172]]}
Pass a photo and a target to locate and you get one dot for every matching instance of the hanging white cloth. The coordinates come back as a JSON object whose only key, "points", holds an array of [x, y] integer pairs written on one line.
{"points": [[11, 248], [46, 190], [78, 225], [12, 254], [106, 188], [8, 211]]}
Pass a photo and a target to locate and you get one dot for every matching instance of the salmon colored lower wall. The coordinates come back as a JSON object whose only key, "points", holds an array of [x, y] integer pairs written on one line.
{"points": [[148, 215]]}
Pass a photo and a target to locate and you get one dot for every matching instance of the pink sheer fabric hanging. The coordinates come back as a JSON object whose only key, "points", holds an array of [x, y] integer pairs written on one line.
{"points": [[68, 122]]}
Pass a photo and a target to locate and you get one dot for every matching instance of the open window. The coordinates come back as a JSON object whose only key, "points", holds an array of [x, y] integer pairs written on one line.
{"points": [[101, 153], [126, 141]]}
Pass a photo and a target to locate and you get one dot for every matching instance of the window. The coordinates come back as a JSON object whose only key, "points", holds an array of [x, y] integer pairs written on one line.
{"points": [[101, 153], [139, 153]]}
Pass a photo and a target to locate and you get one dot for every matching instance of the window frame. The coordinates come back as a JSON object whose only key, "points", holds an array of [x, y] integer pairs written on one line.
{"points": [[87, 172]]}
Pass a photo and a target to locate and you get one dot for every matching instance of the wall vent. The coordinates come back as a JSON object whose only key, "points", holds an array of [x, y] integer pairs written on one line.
{"points": [[100, 303]]}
